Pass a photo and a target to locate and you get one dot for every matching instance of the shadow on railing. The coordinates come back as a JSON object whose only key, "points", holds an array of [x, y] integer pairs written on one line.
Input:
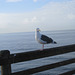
{"points": [[6, 59]]}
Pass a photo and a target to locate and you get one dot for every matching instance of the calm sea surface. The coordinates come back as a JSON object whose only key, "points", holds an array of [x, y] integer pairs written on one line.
{"points": [[25, 41]]}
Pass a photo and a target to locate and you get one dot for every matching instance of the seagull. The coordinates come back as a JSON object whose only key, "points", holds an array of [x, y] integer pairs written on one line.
{"points": [[43, 39]]}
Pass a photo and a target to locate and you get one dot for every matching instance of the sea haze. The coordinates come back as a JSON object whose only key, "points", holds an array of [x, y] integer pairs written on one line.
{"points": [[25, 41]]}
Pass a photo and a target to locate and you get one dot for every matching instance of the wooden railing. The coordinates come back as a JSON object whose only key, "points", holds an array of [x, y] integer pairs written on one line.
{"points": [[6, 59]]}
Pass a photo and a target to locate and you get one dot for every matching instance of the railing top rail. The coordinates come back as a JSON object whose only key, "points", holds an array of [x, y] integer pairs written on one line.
{"points": [[25, 56]]}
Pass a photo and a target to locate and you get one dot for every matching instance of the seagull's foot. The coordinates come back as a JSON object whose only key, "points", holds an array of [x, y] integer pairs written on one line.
{"points": [[41, 49]]}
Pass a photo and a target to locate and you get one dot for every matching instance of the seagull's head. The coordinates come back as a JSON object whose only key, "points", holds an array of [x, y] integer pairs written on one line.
{"points": [[37, 29]]}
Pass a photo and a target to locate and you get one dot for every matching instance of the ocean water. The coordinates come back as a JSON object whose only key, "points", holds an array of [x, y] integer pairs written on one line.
{"points": [[25, 41]]}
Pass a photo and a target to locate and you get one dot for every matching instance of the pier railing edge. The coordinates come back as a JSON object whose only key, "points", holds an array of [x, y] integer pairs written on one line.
{"points": [[6, 59]]}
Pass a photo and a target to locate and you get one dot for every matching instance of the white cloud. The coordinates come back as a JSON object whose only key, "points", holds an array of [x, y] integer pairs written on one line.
{"points": [[58, 15], [34, 19], [38, 0], [3, 20], [71, 16], [53, 16], [31, 20], [13, 0], [35, 0]]}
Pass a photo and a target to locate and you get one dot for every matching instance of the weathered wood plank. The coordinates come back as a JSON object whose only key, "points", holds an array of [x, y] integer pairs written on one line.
{"points": [[45, 67], [20, 57], [25, 56], [6, 68], [69, 73]]}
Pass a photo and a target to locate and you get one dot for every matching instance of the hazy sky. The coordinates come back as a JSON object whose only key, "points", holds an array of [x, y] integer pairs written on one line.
{"points": [[26, 15]]}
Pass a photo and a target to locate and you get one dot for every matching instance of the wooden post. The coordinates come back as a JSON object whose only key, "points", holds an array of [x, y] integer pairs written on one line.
{"points": [[6, 68]]}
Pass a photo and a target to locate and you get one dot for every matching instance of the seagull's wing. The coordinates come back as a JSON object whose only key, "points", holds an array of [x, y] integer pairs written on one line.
{"points": [[47, 39]]}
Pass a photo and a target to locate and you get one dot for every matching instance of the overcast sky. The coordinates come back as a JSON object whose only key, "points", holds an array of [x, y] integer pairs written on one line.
{"points": [[26, 15]]}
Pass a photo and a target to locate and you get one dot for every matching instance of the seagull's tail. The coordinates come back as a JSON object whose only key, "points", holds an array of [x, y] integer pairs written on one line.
{"points": [[55, 42]]}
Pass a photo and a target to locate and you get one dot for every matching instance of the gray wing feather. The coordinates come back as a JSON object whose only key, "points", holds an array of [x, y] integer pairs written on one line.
{"points": [[47, 39]]}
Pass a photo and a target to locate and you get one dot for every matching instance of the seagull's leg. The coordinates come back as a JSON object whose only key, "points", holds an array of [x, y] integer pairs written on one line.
{"points": [[43, 46]]}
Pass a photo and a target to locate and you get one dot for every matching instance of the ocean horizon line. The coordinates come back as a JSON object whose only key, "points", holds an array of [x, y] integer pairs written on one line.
{"points": [[42, 31]]}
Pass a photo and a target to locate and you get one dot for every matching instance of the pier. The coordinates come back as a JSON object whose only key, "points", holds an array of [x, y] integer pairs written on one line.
{"points": [[6, 59]]}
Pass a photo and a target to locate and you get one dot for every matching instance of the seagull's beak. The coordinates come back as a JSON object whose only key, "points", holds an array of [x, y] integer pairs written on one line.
{"points": [[39, 30]]}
